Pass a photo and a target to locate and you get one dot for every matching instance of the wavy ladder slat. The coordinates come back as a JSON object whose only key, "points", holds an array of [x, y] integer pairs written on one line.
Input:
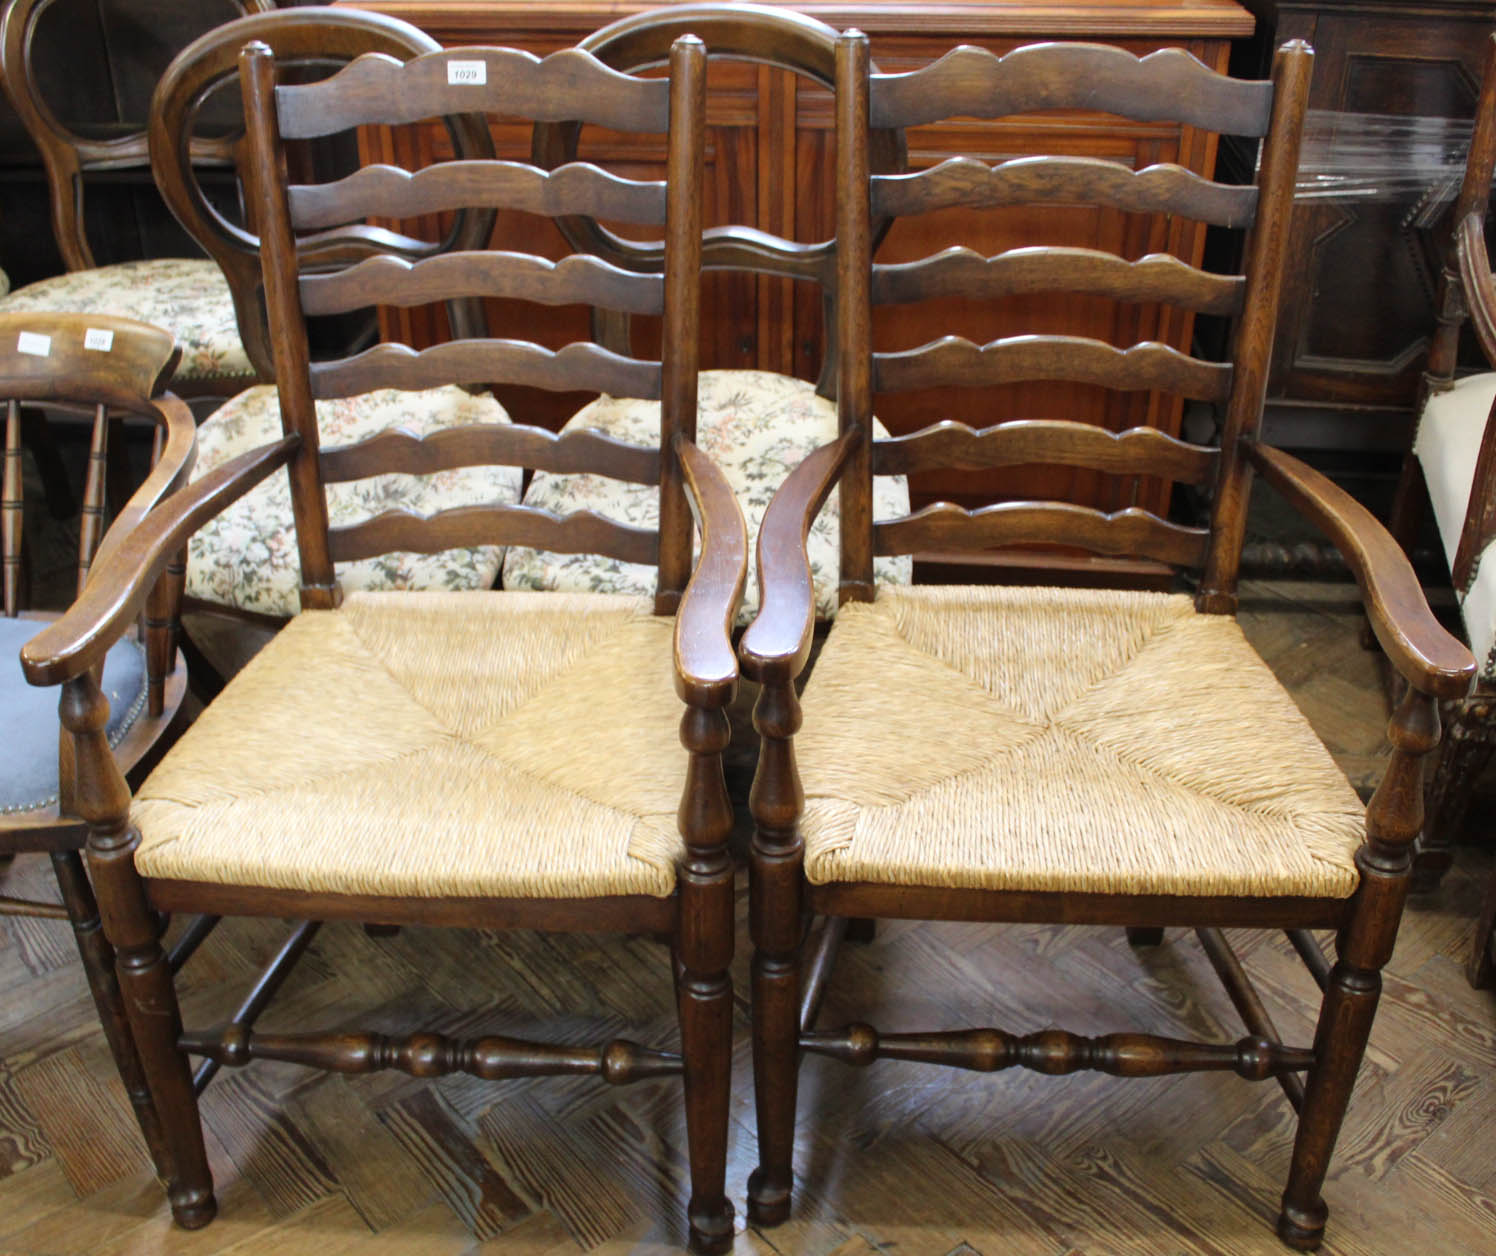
{"points": [[390, 192], [581, 532], [579, 451], [954, 360], [972, 183], [574, 280], [1156, 277], [577, 367], [566, 86], [1169, 85], [1058, 442], [1133, 531]]}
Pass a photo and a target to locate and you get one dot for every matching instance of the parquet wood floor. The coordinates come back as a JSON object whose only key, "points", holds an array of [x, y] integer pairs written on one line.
{"points": [[898, 1158]]}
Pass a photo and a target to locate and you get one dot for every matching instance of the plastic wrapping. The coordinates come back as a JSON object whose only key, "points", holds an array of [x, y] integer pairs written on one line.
{"points": [[1384, 157]]}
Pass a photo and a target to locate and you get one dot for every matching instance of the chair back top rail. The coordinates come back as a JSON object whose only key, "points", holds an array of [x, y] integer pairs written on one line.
{"points": [[1170, 85], [566, 86], [84, 359]]}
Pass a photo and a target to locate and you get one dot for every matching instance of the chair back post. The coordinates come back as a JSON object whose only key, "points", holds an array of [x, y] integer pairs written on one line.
{"points": [[1252, 341], [680, 359], [854, 258], [287, 326]]}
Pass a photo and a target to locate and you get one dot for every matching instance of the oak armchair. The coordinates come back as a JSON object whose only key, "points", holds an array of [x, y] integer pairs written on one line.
{"points": [[1452, 466], [1123, 758], [113, 367], [448, 758]]}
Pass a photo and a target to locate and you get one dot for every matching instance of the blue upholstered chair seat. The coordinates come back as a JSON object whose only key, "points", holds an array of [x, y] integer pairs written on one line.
{"points": [[28, 715]]}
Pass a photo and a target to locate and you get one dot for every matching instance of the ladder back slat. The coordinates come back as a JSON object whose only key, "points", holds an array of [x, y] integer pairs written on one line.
{"points": [[567, 86], [582, 532], [953, 360], [964, 271], [1055, 442], [574, 280], [577, 451], [1170, 85], [972, 183], [390, 192], [1133, 531], [581, 367]]}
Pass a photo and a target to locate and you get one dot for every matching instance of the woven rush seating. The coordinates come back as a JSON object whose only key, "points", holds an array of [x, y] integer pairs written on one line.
{"points": [[756, 426], [515, 702], [1108, 741]]}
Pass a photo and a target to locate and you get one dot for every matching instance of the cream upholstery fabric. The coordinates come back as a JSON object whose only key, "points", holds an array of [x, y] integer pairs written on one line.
{"points": [[246, 556], [757, 427], [4, 283], [1064, 740], [1447, 445], [187, 296], [434, 744]]}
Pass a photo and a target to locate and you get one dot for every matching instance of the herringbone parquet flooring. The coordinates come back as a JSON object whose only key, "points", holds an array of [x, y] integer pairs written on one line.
{"points": [[898, 1158]]}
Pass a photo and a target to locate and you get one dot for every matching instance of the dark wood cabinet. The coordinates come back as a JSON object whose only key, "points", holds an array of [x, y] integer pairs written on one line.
{"points": [[1359, 301]]}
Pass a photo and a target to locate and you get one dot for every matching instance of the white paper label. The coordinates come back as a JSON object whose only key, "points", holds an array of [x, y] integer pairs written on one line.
{"points": [[469, 73], [98, 338], [34, 342]]}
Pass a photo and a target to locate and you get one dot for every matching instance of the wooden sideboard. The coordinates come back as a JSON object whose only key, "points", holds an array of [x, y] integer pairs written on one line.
{"points": [[770, 164]]}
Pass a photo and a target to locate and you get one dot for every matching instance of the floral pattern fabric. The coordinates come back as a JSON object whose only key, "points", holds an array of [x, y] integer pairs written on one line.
{"points": [[187, 296], [246, 556], [757, 427]]}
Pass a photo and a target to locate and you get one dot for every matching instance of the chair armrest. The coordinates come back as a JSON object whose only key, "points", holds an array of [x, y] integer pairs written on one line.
{"points": [[1429, 658], [776, 646], [706, 670], [1476, 280], [120, 580], [178, 453]]}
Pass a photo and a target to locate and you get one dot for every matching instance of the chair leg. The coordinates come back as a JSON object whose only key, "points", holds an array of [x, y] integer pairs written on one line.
{"points": [[777, 923], [1141, 935], [704, 1001], [98, 965], [156, 1021], [1480, 969], [1469, 741]]}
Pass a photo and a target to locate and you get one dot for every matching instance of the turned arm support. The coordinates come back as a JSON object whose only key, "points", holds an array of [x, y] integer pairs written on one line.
{"points": [[706, 672], [127, 567], [1430, 659], [776, 646]]}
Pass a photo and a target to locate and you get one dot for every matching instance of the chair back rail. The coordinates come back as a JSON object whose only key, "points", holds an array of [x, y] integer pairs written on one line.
{"points": [[970, 82], [310, 39], [565, 85]]}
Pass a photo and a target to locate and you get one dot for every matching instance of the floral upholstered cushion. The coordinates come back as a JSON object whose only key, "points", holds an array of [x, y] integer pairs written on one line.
{"points": [[757, 427], [187, 296], [246, 556]]}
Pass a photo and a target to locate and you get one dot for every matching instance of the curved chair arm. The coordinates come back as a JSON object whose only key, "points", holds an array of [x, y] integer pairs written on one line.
{"points": [[178, 453], [1476, 280], [1431, 660], [776, 646], [706, 670], [121, 579]]}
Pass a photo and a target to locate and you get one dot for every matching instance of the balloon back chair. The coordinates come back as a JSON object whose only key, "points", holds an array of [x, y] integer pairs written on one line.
{"points": [[446, 757], [187, 296], [113, 367], [1067, 755]]}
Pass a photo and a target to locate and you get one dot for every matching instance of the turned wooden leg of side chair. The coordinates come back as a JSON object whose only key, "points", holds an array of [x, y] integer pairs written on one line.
{"points": [[776, 923], [1364, 946], [98, 966], [1142, 935], [103, 800], [703, 953]]}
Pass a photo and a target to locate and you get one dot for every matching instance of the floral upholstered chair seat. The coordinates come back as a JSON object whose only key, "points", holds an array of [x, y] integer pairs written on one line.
{"points": [[757, 427], [189, 297], [246, 557]]}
